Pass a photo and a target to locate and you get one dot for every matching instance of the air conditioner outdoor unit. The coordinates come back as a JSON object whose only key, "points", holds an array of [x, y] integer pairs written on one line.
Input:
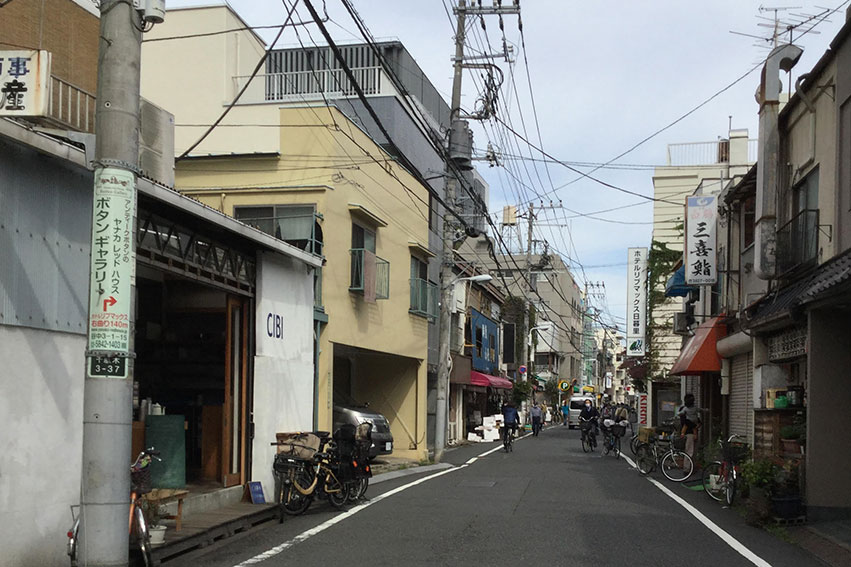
{"points": [[680, 324], [156, 143]]}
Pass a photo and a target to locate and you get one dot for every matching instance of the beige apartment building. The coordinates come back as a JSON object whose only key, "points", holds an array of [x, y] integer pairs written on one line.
{"points": [[304, 172]]}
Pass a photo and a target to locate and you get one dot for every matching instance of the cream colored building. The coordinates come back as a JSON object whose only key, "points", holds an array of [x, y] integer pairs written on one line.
{"points": [[307, 174]]}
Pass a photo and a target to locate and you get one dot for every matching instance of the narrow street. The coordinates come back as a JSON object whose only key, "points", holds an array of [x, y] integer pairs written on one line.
{"points": [[545, 501]]}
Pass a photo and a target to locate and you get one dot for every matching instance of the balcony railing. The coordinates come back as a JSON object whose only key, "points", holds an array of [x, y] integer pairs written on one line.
{"points": [[359, 281], [706, 153], [797, 242], [71, 106], [311, 85], [423, 298]]}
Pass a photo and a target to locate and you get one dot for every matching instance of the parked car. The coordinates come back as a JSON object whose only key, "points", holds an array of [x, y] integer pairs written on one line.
{"points": [[576, 405], [382, 439]]}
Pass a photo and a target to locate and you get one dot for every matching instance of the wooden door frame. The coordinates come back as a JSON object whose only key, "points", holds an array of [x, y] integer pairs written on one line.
{"points": [[228, 478]]}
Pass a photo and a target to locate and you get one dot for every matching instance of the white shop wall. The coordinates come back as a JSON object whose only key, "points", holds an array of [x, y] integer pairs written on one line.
{"points": [[283, 365]]}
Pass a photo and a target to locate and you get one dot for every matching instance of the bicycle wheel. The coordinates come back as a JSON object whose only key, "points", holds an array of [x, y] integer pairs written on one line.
{"points": [[645, 460], [142, 536], [586, 444], [357, 488], [713, 481], [634, 443], [617, 447], [338, 492], [730, 485], [677, 466], [294, 502]]}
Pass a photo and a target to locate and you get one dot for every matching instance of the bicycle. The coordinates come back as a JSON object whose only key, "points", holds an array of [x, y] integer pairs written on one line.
{"points": [[612, 433], [508, 437], [675, 463], [588, 437], [720, 478], [140, 484], [303, 471]]}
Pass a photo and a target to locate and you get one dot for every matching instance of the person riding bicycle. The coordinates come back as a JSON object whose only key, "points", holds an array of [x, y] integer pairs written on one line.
{"points": [[589, 414], [511, 418], [607, 413], [537, 414], [690, 422]]}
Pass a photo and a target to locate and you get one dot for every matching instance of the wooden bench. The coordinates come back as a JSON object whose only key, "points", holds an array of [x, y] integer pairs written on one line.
{"points": [[159, 496]]}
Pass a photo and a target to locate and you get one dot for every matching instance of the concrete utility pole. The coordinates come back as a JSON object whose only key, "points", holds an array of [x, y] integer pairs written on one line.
{"points": [[448, 257], [457, 127], [527, 315], [107, 410]]}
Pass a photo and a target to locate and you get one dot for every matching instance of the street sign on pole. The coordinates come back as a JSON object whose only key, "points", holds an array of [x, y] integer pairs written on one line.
{"points": [[111, 272], [522, 370], [564, 385]]}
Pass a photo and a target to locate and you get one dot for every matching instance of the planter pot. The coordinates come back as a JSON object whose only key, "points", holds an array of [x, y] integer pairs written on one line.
{"points": [[758, 506], [157, 534], [791, 446], [786, 506]]}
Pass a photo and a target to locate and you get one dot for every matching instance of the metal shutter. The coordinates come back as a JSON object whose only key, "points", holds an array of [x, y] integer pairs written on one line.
{"points": [[741, 396]]}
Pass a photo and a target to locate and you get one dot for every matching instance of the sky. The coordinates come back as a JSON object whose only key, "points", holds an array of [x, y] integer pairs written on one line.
{"points": [[603, 75]]}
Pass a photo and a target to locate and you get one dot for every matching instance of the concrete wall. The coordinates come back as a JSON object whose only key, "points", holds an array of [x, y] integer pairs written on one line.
{"points": [[41, 417], [828, 398], [283, 366]]}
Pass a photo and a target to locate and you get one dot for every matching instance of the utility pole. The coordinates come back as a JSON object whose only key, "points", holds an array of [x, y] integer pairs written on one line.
{"points": [[108, 390], [527, 315], [458, 130]]}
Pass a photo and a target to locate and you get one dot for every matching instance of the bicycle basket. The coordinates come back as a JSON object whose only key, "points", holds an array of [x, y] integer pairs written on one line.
{"points": [[584, 425], [679, 442], [298, 445], [618, 430], [140, 480], [734, 452]]}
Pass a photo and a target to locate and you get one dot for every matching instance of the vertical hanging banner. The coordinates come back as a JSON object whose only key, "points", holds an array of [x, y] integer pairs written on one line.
{"points": [[24, 82], [111, 272], [636, 299], [701, 235]]}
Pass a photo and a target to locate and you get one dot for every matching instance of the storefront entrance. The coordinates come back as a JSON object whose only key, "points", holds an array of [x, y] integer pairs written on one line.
{"points": [[192, 367]]}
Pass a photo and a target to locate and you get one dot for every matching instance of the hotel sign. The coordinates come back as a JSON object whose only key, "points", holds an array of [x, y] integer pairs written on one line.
{"points": [[636, 299]]}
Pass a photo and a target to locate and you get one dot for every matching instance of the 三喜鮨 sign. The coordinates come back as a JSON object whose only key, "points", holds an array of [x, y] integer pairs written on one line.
{"points": [[24, 77], [700, 259], [636, 299], [112, 264]]}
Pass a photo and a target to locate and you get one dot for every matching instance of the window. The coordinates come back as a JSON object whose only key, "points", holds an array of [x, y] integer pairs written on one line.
{"points": [[423, 292], [491, 348], [542, 360], [294, 224], [370, 274], [508, 343], [363, 238], [479, 343]]}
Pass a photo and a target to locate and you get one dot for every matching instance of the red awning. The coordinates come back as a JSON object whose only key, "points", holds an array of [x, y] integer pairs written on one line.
{"points": [[479, 379], [700, 355]]}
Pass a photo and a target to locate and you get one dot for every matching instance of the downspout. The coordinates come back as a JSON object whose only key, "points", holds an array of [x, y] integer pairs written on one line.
{"points": [[783, 58], [808, 102]]}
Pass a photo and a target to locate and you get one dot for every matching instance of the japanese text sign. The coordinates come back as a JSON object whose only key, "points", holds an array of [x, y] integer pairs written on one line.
{"points": [[112, 261], [636, 299], [24, 82], [701, 235]]}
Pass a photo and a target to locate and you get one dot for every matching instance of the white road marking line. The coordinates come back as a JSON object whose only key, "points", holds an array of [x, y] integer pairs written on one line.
{"points": [[338, 518], [713, 527]]}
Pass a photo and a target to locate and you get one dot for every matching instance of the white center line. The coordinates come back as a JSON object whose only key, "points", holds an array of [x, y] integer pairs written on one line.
{"points": [[713, 527]]}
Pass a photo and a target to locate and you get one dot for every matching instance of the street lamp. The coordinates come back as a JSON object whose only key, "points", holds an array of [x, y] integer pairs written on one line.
{"points": [[478, 278]]}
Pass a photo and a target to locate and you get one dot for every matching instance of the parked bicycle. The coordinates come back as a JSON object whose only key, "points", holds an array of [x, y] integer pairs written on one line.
{"points": [[588, 434], [720, 478], [666, 452], [350, 450], [140, 484], [303, 471]]}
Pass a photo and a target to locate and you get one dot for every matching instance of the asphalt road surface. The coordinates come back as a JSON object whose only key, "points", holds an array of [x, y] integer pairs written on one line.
{"points": [[546, 503]]}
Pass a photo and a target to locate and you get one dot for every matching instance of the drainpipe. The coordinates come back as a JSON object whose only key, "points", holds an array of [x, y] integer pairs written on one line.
{"points": [[783, 58]]}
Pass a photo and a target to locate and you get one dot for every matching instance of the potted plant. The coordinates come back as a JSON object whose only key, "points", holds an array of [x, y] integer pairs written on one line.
{"points": [[759, 477], [154, 512], [786, 490], [790, 436]]}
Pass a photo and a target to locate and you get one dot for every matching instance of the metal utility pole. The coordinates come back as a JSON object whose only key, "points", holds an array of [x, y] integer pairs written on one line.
{"points": [[107, 405], [458, 130]]}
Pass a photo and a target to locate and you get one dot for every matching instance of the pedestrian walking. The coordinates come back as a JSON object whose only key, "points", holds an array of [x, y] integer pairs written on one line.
{"points": [[565, 412], [690, 422], [536, 414]]}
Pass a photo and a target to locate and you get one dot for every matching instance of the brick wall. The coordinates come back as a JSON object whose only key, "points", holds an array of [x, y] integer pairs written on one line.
{"points": [[62, 27]]}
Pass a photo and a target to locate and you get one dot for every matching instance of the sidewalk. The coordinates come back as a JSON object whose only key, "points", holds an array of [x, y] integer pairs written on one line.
{"points": [[829, 541]]}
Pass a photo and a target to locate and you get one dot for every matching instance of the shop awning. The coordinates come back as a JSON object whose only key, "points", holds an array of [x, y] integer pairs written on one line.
{"points": [[480, 379], [700, 355], [677, 286]]}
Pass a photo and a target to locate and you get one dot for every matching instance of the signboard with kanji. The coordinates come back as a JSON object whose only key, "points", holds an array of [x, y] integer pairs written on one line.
{"points": [[111, 270], [636, 298], [700, 252], [24, 82]]}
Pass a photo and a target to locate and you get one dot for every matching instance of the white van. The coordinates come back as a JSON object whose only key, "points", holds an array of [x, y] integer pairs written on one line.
{"points": [[576, 405]]}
